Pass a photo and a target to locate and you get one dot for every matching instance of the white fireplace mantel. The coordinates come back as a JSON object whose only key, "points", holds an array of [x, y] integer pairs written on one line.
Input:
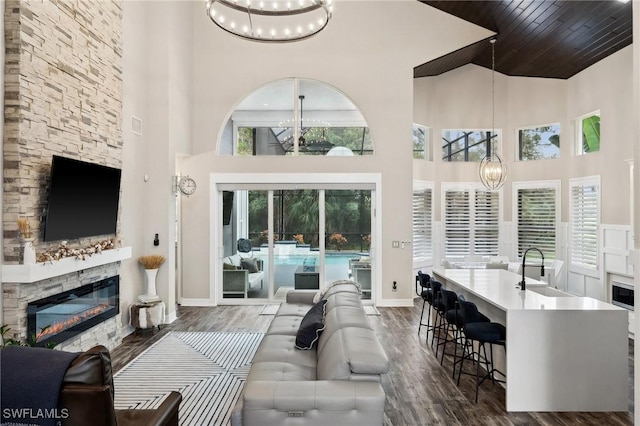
{"points": [[45, 270]]}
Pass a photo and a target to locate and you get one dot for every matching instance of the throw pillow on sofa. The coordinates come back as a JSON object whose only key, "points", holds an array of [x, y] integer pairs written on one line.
{"points": [[250, 264], [310, 327], [228, 267]]}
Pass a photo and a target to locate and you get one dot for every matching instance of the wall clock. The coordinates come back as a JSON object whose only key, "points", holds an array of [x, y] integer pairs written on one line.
{"points": [[187, 185]]}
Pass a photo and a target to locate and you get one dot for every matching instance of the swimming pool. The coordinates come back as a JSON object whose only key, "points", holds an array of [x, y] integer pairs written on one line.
{"points": [[286, 265]]}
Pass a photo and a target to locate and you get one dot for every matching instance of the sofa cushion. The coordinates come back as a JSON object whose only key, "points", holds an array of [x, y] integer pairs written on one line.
{"points": [[341, 286], [311, 326], [228, 266], [275, 370], [344, 299], [351, 351], [295, 309], [341, 317], [280, 348], [235, 260], [250, 263], [287, 325]]}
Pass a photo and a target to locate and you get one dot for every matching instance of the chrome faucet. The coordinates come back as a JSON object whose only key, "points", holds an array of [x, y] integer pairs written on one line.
{"points": [[523, 284]]}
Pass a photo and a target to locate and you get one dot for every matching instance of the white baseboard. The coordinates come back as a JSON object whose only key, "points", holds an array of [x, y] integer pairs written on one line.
{"points": [[171, 317], [395, 303], [196, 302]]}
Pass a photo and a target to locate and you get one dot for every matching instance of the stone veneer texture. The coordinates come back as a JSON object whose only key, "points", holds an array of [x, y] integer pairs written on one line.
{"points": [[16, 297], [63, 96]]}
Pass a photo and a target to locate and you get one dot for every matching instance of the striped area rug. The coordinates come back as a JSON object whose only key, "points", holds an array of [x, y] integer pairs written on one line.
{"points": [[208, 369]]}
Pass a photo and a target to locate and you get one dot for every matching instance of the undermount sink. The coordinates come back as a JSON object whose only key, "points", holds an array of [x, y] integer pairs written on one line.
{"points": [[548, 291]]}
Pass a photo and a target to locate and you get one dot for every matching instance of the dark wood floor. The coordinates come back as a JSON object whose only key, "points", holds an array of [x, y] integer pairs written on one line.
{"points": [[419, 391]]}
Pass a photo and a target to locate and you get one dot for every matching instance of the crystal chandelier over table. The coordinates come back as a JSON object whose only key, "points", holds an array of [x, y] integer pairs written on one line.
{"points": [[271, 20]]}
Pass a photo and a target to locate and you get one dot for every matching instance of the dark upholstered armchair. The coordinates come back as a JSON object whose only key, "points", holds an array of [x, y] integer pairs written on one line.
{"points": [[87, 393]]}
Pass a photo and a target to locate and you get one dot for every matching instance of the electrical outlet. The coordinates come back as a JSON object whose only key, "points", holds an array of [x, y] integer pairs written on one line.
{"points": [[395, 244], [395, 286]]}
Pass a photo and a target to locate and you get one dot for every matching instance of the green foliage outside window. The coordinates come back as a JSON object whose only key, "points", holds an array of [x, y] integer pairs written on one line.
{"points": [[296, 217], [245, 141], [419, 142], [467, 145], [539, 143], [591, 134]]}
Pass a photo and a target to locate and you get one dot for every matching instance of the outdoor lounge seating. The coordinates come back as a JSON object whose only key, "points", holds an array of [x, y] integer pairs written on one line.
{"points": [[240, 275]]}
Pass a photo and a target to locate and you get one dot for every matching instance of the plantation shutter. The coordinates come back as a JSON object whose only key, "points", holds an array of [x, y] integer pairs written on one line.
{"points": [[457, 223], [486, 223], [537, 220], [422, 224], [584, 225]]}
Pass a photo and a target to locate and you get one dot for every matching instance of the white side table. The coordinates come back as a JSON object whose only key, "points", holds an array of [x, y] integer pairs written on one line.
{"points": [[147, 315]]}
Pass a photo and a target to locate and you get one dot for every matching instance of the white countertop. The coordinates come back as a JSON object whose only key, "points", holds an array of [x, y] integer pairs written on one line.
{"points": [[498, 287]]}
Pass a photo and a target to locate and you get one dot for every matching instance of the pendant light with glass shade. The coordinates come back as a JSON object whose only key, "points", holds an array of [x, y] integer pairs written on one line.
{"points": [[493, 171]]}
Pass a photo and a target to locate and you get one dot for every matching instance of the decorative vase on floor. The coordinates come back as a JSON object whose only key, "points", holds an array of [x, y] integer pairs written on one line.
{"points": [[29, 252], [151, 280]]}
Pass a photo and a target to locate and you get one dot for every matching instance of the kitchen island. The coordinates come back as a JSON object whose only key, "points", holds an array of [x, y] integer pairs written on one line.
{"points": [[564, 353]]}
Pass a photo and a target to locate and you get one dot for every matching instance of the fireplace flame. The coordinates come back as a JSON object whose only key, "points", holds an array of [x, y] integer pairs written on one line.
{"points": [[57, 327]]}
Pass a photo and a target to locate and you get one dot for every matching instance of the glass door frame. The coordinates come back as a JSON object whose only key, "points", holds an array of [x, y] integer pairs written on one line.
{"points": [[275, 181]]}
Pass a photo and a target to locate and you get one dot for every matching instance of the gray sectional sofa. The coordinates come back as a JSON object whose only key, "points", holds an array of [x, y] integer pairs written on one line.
{"points": [[337, 383]]}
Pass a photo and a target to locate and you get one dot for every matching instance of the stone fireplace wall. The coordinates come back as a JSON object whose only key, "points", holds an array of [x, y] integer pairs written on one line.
{"points": [[63, 96]]}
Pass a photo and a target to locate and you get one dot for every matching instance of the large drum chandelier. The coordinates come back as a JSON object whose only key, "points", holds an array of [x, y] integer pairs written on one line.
{"points": [[271, 20]]}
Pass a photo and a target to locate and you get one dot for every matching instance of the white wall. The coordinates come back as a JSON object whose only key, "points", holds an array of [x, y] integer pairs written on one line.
{"points": [[157, 85], [362, 53], [134, 97], [458, 99]]}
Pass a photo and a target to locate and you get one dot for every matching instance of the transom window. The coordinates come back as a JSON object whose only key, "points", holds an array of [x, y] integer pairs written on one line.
{"points": [[421, 148], [588, 132], [296, 117], [539, 143], [468, 145]]}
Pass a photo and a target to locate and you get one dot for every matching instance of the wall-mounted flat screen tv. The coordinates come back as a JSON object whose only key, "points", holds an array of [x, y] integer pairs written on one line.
{"points": [[83, 200]]}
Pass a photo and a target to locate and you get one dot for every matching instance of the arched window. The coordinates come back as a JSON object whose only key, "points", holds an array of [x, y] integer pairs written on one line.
{"points": [[296, 117]]}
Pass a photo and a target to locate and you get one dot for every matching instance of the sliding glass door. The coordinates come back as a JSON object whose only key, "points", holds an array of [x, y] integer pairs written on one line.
{"points": [[348, 237], [276, 240], [295, 241]]}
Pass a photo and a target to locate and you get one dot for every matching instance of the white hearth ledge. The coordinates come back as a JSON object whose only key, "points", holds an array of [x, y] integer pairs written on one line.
{"points": [[46, 270]]}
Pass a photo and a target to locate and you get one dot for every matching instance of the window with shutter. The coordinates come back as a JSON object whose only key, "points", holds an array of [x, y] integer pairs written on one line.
{"points": [[422, 225], [471, 222], [584, 222], [537, 214]]}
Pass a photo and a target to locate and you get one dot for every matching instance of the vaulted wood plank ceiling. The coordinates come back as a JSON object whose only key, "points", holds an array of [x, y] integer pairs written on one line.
{"points": [[537, 38]]}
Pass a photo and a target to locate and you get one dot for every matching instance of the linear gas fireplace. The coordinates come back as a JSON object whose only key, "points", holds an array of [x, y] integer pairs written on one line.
{"points": [[62, 316]]}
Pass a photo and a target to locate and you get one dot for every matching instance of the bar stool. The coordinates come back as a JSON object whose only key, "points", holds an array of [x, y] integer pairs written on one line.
{"points": [[445, 300], [425, 291], [449, 301], [457, 318], [436, 287], [483, 333]]}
